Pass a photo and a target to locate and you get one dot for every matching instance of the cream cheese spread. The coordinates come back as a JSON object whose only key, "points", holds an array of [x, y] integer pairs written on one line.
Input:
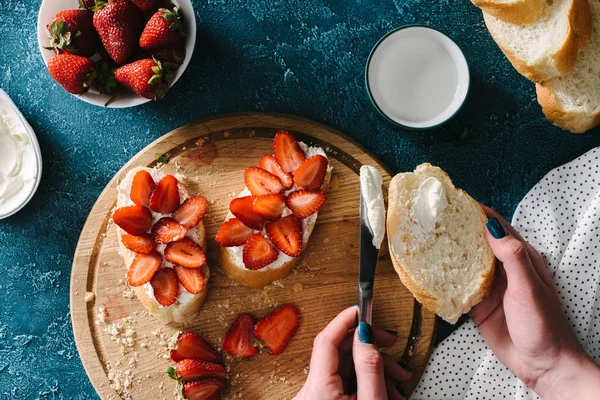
{"points": [[429, 202], [371, 192]]}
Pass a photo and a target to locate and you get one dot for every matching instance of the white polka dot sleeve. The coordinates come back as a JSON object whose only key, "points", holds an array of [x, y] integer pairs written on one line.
{"points": [[560, 216]]}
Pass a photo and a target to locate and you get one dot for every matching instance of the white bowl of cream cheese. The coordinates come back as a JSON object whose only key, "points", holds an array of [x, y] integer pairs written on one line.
{"points": [[20, 159]]}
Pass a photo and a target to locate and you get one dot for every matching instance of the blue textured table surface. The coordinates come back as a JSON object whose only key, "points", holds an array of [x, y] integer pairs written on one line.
{"points": [[299, 57]]}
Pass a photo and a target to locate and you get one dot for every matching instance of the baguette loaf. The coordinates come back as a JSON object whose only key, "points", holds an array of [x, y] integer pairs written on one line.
{"points": [[513, 11]]}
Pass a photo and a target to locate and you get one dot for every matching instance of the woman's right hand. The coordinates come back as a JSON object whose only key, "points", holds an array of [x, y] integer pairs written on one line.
{"points": [[523, 323]]}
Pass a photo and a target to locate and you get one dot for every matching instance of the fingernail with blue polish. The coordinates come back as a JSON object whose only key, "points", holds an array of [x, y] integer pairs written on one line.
{"points": [[395, 333], [355, 305], [496, 228], [401, 391], [365, 333], [406, 368]]}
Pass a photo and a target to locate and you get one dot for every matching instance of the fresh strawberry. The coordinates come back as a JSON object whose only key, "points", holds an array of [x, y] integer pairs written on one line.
{"points": [[269, 164], [191, 211], [167, 230], [233, 233], [175, 54], [192, 370], [286, 234], [192, 279], [258, 252], [203, 389], [71, 31], [74, 73], [186, 253], [190, 345], [142, 187], [148, 77], [140, 244], [146, 5], [135, 220], [276, 329], [143, 268], [238, 340], [261, 182], [269, 206], [243, 209], [311, 174], [118, 24], [304, 203], [166, 286], [165, 198], [288, 152], [163, 29]]}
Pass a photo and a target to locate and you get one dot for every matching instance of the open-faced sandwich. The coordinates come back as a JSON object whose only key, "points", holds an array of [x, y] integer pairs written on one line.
{"points": [[162, 241], [271, 220]]}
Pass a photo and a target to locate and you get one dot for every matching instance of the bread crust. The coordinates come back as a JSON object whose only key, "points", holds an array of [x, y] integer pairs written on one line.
{"points": [[519, 12], [575, 122]]}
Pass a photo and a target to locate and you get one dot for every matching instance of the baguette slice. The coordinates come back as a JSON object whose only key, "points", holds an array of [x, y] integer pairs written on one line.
{"points": [[573, 101], [548, 47], [436, 234], [513, 11], [187, 305]]}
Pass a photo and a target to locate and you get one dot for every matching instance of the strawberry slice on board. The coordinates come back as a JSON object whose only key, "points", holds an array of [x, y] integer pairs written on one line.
{"points": [[192, 279], [311, 174], [192, 370], [276, 329], [135, 220], [191, 211], [233, 233], [167, 230], [258, 252], [166, 286], [269, 206], [143, 268], [203, 389], [238, 340], [288, 152], [165, 198], [186, 253], [140, 244], [243, 209], [270, 164], [190, 345], [142, 187], [286, 234], [305, 203], [261, 182]]}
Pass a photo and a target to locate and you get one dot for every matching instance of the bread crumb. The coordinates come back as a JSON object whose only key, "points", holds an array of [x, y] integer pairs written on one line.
{"points": [[89, 296]]}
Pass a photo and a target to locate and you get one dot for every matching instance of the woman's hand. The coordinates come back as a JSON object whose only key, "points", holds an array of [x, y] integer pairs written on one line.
{"points": [[523, 323], [346, 364]]}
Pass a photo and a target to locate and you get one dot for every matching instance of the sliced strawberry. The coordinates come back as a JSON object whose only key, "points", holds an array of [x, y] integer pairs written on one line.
{"points": [[261, 182], [238, 340], [191, 211], [269, 164], [190, 345], [258, 252], [269, 206], [243, 209], [286, 234], [140, 244], [143, 268], [233, 233], [276, 329], [203, 389], [167, 230], [166, 286], [165, 198], [304, 203], [192, 370], [288, 152], [311, 174], [192, 279], [186, 253], [135, 220], [142, 187]]}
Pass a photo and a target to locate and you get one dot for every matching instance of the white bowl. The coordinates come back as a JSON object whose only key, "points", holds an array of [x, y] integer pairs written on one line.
{"points": [[50, 8]]}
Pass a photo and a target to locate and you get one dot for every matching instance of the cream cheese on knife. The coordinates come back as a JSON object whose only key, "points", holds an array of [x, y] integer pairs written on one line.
{"points": [[370, 188]]}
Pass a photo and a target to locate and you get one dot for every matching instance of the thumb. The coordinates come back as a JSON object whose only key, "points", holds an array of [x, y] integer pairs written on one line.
{"points": [[368, 364]]}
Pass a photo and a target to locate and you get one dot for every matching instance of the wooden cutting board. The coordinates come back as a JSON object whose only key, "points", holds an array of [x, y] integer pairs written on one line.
{"points": [[125, 355]]}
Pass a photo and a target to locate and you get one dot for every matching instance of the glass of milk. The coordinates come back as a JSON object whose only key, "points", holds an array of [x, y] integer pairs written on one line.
{"points": [[417, 77]]}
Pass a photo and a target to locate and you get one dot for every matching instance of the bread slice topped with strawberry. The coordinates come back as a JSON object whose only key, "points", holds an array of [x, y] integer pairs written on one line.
{"points": [[271, 220], [162, 240]]}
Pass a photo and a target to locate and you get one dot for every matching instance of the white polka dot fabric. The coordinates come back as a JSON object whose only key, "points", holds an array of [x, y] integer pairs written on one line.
{"points": [[560, 216]]}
